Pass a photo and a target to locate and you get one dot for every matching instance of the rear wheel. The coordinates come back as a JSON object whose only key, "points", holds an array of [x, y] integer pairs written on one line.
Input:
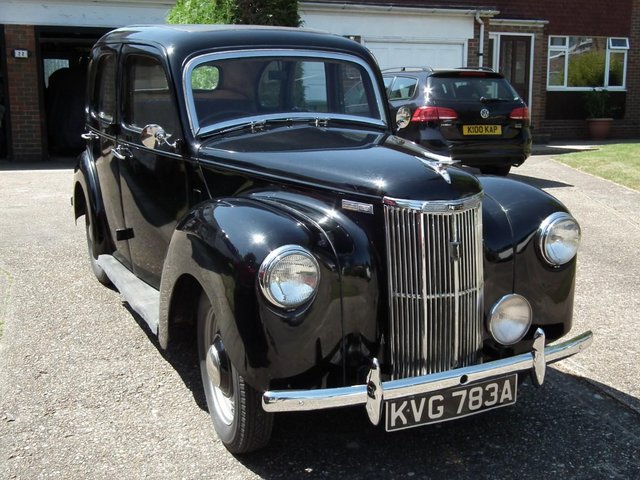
{"points": [[95, 268], [501, 170], [235, 407]]}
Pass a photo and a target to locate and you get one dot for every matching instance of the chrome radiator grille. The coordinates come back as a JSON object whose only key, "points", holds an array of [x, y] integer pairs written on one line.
{"points": [[434, 258]]}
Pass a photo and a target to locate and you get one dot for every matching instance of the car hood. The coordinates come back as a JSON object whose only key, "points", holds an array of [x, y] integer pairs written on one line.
{"points": [[348, 161]]}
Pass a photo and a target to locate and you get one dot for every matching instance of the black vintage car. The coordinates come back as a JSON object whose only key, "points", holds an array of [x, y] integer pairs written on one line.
{"points": [[246, 182]]}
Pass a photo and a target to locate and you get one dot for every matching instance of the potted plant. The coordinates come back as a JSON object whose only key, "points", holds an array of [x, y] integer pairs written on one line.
{"points": [[599, 119]]}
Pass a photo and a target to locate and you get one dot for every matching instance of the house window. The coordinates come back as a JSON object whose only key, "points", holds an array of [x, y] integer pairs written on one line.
{"points": [[582, 63]]}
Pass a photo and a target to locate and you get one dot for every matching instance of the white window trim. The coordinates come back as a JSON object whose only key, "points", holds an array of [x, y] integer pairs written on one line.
{"points": [[609, 50], [496, 55]]}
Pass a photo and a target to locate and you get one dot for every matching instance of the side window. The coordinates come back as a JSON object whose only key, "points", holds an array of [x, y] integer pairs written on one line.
{"points": [[387, 83], [403, 88], [148, 98], [103, 103]]}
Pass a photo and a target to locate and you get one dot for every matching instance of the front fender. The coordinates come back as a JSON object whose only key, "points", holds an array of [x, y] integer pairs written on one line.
{"points": [[222, 245], [549, 290]]}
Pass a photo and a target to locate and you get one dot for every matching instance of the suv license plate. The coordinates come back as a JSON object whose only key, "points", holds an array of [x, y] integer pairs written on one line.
{"points": [[450, 404], [482, 129]]}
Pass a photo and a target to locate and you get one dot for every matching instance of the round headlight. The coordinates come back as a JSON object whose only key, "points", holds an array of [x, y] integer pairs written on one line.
{"points": [[289, 276], [559, 237], [510, 319]]}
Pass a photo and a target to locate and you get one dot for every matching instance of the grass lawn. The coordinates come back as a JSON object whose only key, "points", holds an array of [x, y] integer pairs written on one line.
{"points": [[618, 162]]}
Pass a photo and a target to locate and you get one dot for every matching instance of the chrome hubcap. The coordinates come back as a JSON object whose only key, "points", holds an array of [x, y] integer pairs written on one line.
{"points": [[219, 373]]}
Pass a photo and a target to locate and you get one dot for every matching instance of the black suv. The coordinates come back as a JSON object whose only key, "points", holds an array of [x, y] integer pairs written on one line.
{"points": [[472, 115]]}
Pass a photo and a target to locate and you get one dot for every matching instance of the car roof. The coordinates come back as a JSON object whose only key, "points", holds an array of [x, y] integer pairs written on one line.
{"points": [[186, 40]]}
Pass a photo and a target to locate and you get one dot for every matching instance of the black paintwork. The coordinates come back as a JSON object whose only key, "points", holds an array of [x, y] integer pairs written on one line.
{"points": [[206, 212]]}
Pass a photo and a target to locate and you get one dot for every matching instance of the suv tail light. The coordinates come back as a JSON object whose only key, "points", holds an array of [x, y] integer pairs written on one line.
{"points": [[520, 113], [433, 114]]}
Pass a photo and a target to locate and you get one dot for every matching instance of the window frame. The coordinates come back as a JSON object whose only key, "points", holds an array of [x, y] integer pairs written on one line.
{"points": [[97, 96], [565, 49], [173, 127], [199, 130]]}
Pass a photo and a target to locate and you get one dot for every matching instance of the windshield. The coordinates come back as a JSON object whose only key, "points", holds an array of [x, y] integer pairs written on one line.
{"points": [[224, 90], [470, 89]]}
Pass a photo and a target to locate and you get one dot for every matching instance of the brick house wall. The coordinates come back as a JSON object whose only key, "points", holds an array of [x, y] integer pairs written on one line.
{"points": [[569, 17], [24, 99], [579, 18]]}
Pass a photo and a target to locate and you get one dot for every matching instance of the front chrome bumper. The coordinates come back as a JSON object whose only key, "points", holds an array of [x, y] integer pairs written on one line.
{"points": [[374, 392]]}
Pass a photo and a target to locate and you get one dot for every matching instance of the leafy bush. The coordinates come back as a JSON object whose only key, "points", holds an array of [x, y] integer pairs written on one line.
{"points": [[247, 12], [597, 103]]}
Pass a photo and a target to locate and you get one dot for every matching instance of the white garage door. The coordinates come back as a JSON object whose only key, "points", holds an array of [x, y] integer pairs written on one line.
{"points": [[398, 54]]}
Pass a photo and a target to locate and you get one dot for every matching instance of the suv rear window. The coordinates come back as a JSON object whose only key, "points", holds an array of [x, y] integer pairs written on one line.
{"points": [[470, 88]]}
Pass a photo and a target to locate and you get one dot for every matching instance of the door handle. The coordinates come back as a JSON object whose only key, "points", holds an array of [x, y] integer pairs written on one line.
{"points": [[121, 153], [90, 136]]}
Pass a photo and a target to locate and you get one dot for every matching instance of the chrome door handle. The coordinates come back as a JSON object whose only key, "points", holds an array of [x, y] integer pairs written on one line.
{"points": [[90, 136], [121, 153]]}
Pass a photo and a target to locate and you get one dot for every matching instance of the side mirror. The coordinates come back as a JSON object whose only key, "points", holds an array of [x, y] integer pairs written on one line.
{"points": [[403, 117], [153, 136]]}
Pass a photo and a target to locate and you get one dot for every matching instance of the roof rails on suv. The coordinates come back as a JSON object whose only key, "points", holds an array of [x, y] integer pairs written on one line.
{"points": [[407, 69], [486, 69]]}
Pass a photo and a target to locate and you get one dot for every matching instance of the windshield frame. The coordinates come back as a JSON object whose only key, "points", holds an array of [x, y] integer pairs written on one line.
{"points": [[198, 131]]}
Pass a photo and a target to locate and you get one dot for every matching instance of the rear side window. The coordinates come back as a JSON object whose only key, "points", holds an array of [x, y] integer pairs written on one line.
{"points": [[403, 88], [103, 104], [148, 97]]}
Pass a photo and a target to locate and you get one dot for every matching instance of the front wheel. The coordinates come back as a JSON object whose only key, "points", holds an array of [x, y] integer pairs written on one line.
{"points": [[235, 407]]}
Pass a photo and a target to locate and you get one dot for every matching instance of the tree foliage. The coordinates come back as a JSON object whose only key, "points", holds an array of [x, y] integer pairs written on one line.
{"points": [[247, 12]]}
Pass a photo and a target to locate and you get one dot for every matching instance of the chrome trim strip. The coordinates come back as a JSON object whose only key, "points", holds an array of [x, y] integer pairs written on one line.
{"points": [[303, 400], [274, 52], [435, 206]]}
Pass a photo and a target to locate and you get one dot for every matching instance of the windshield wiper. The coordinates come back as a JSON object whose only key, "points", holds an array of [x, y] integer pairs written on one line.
{"points": [[316, 121], [492, 99], [254, 126], [323, 122]]}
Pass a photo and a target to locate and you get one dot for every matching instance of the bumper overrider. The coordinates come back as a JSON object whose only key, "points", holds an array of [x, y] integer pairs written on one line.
{"points": [[375, 392]]}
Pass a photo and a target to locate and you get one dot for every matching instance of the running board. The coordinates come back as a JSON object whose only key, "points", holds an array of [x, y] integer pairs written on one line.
{"points": [[141, 297]]}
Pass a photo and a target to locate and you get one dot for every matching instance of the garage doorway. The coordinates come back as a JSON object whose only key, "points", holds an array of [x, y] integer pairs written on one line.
{"points": [[64, 56], [417, 54]]}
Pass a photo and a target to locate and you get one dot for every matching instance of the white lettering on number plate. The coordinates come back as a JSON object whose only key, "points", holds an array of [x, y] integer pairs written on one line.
{"points": [[450, 404]]}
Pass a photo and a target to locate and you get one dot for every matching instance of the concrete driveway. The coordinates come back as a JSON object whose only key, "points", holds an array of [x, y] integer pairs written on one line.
{"points": [[608, 283], [85, 392]]}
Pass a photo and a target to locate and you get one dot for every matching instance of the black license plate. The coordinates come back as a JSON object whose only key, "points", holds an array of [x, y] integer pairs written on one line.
{"points": [[450, 404]]}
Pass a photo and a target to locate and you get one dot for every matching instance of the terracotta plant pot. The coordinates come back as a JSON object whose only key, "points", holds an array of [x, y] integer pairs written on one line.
{"points": [[599, 128]]}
